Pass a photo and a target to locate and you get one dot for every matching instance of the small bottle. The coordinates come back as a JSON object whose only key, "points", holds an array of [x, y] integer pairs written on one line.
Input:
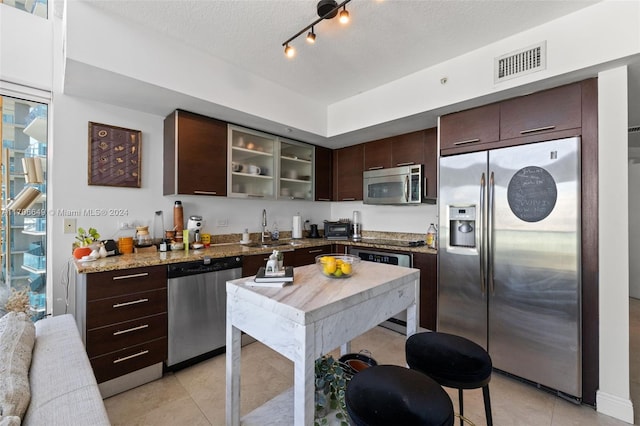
{"points": [[431, 236], [245, 235], [275, 234]]}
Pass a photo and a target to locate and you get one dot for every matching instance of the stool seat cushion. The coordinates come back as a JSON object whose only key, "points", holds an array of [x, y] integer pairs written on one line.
{"points": [[450, 360], [386, 395]]}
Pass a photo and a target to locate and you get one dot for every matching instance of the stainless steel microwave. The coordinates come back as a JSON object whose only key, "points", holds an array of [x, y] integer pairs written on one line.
{"points": [[396, 185]]}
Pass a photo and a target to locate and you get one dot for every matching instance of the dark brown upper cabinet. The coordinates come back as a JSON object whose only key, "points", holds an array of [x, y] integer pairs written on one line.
{"points": [[348, 165], [195, 155], [323, 173]]}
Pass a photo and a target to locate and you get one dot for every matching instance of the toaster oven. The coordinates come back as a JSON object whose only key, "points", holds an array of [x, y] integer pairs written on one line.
{"points": [[340, 230]]}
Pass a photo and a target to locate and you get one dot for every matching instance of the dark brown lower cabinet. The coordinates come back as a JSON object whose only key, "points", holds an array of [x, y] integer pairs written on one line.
{"points": [[428, 265]]}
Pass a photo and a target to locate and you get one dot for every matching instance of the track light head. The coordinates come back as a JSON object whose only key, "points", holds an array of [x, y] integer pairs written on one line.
{"points": [[311, 36], [344, 16], [289, 51]]}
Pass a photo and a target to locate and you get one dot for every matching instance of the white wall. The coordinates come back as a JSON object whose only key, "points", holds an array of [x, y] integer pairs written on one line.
{"points": [[411, 219], [26, 57], [613, 395], [607, 30]]}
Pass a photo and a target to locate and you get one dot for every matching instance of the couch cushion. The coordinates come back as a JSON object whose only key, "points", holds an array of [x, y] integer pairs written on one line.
{"points": [[9, 421], [17, 337], [63, 388]]}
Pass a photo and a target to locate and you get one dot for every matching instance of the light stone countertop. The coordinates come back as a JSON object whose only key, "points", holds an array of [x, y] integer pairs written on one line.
{"points": [[138, 260]]}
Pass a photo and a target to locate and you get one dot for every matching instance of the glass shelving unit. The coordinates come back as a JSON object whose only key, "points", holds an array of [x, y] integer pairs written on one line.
{"points": [[296, 171], [252, 163]]}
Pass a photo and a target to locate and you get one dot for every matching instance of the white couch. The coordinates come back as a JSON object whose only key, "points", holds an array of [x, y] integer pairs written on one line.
{"points": [[62, 385]]}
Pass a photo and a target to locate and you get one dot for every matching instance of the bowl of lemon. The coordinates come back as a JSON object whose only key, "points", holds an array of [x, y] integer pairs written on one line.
{"points": [[337, 265]]}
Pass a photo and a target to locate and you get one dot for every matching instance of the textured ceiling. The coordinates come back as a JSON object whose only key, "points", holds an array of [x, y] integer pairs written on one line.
{"points": [[385, 40]]}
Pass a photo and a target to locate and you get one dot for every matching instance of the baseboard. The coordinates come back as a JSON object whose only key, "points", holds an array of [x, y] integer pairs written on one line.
{"points": [[614, 406]]}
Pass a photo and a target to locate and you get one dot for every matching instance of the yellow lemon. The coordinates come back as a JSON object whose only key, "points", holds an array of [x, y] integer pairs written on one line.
{"points": [[329, 267], [339, 262], [346, 268]]}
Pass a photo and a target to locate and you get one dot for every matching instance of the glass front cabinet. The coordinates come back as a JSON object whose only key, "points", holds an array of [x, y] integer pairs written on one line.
{"points": [[266, 166], [24, 219]]}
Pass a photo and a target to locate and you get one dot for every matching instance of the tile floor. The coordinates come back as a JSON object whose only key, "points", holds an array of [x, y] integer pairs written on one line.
{"points": [[196, 395]]}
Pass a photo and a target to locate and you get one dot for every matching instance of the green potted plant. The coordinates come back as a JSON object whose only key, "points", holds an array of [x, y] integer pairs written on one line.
{"points": [[331, 384], [84, 241]]}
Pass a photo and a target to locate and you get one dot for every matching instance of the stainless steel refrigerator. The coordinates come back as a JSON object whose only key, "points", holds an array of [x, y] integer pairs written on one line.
{"points": [[509, 258]]}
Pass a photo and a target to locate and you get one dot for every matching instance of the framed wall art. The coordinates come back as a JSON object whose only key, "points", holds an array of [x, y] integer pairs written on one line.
{"points": [[114, 156]]}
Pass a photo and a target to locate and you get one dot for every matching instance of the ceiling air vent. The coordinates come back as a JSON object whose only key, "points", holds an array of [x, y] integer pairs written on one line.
{"points": [[521, 62], [634, 129]]}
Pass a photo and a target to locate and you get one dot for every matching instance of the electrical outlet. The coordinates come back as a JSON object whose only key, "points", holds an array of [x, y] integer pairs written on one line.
{"points": [[123, 226], [223, 222], [69, 225]]}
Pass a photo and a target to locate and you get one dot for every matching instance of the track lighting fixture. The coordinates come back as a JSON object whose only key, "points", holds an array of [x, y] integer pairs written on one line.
{"points": [[327, 9]]}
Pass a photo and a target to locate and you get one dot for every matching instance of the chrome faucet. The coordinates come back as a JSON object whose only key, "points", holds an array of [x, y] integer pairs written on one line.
{"points": [[264, 225]]}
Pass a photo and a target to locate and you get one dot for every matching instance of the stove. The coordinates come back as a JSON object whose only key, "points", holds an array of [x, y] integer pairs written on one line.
{"points": [[394, 243]]}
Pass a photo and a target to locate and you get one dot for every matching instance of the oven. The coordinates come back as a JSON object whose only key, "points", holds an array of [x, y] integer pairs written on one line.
{"points": [[399, 322]]}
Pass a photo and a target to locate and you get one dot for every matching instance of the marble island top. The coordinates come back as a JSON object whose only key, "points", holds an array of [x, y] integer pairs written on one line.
{"points": [[137, 260]]}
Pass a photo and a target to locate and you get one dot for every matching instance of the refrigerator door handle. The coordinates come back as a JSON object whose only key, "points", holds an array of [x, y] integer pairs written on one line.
{"points": [[490, 226], [480, 226]]}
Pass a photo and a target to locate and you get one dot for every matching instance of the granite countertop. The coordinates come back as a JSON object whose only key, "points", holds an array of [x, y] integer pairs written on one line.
{"points": [[224, 249]]}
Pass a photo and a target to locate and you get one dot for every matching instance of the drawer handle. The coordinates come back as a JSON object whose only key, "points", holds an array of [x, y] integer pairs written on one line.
{"points": [[124, 277], [205, 192], [467, 141], [348, 199], [129, 330], [323, 199], [255, 195], [376, 167], [539, 129], [315, 251], [408, 163], [131, 356], [133, 302]]}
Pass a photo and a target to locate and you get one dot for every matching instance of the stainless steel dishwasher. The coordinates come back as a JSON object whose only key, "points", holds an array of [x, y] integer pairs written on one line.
{"points": [[197, 307]]}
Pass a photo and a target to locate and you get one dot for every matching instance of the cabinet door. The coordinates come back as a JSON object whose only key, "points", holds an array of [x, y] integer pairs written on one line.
{"points": [[408, 149], [543, 112], [427, 263], [307, 256], [323, 176], [461, 131], [252, 168], [347, 171], [195, 152], [377, 154], [296, 170], [431, 163]]}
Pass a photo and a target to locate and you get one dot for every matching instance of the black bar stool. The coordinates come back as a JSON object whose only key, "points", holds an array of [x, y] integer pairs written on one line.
{"points": [[385, 395], [452, 361]]}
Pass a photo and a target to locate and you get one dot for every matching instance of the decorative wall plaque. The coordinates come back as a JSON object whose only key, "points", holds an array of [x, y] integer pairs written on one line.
{"points": [[114, 156]]}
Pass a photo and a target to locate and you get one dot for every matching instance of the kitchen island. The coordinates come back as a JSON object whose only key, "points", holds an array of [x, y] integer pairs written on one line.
{"points": [[307, 319]]}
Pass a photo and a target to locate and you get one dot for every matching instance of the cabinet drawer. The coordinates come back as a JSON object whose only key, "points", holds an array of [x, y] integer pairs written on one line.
{"points": [[124, 308], [471, 127], [307, 256], [543, 112], [125, 334], [114, 283], [114, 364]]}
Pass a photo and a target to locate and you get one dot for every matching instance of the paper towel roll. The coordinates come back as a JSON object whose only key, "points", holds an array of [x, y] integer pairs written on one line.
{"points": [[296, 230]]}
